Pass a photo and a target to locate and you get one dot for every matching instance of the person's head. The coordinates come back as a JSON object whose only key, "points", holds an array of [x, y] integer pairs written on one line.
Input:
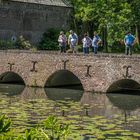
{"points": [[85, 34], [128, 32], [71, 32], [61, 32], [95, 33]]}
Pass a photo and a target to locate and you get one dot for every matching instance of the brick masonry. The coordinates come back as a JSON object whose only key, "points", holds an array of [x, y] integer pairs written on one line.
{"points": [[31, 19], [96, 73]]}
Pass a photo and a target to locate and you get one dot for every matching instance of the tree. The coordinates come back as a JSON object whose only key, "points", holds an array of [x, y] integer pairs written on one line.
{"points": [[110, 17]]}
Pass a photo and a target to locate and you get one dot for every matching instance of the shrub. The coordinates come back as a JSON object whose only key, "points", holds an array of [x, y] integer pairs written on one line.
{"points": [[6, 44], [49, 40], [22, 43]]}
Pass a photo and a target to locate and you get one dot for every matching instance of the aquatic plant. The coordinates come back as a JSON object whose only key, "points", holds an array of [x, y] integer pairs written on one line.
{"points": [[4, 124], [55, 129]]}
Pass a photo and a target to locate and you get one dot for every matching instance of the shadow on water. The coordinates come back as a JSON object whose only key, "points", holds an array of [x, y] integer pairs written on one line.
{"points": [[124, 101], [44, 93], [64, 94], [11, 89]]}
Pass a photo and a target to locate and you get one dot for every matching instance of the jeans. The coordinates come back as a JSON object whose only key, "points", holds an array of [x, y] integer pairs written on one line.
{"points": [[95, 49], [86, 50], [128, 49], [62, 49]]}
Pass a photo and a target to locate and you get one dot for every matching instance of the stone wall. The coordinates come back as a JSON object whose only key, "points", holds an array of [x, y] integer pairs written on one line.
{"points": [[31, 20], [96, 73]]}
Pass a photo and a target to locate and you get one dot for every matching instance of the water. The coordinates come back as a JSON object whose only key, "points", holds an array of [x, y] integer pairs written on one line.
{"points": [[91, 115]]}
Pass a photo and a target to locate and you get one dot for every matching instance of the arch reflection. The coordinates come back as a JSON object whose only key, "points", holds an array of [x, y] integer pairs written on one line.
{"points": [[124, 101], [11, 90], [64, 94]]}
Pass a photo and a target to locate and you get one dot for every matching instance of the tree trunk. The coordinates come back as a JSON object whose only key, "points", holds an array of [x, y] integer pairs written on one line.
{"points": [[138, 35], [105, 44]]}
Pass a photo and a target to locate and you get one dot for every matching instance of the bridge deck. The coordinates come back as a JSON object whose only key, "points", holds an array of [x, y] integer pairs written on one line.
{"points": [[110, 55]]}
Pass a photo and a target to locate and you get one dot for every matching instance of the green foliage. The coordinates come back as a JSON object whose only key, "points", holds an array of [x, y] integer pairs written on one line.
{"points": [[4, 124], [111, 18], [49, 40], [51, 130], [6, 44], [55, 129], [22, 43]]}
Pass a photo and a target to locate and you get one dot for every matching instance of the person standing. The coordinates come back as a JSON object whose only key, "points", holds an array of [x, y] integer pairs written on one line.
{"points": [[85, 44], [73, 41], [129, 41], [62, 39], [95, 42], [87, 41]]}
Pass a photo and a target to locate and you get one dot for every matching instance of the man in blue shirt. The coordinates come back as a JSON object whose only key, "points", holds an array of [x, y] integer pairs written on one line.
{"points": [[129, 41], [95, 42]]}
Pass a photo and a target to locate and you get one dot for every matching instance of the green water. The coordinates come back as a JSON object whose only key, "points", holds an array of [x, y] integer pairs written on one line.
{"points": [[91, 116]]}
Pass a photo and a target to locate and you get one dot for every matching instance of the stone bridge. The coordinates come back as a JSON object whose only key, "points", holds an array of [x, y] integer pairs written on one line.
{"points": [[99, 73]]}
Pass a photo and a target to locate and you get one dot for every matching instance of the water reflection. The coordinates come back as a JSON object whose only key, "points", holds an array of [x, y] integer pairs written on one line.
{"points": [[125, 102], [11, 90], [30, 93], [27, 106], [64, 94], [54, 94]]}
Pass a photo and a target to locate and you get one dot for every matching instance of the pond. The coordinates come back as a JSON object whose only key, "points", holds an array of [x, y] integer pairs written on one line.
{"points": [[91, 116]]}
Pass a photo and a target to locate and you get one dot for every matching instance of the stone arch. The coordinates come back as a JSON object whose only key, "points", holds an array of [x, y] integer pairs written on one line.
{"points": [[63, 78], [123, 85], [11, 78]]}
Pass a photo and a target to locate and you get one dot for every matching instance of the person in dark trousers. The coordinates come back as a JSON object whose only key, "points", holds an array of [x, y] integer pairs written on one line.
{"points": [[129, 41], [95, 42], [87, 41], [62, 39]]}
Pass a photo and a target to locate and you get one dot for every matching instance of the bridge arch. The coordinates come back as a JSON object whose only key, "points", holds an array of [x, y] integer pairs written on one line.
{"points": [[123, 85], [63, 78], [10, 77]]}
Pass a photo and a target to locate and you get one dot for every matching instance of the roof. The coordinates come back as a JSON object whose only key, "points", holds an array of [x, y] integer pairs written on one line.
{"points": [[63, 3]]}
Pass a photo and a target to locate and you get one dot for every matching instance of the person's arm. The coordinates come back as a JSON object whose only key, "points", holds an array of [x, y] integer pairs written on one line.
{"points": [[89, 41], [69, 40], [124, 41], [59, 39], [99, 40], [76, 39], [92, 43], [65, 39], [134, 40]]}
